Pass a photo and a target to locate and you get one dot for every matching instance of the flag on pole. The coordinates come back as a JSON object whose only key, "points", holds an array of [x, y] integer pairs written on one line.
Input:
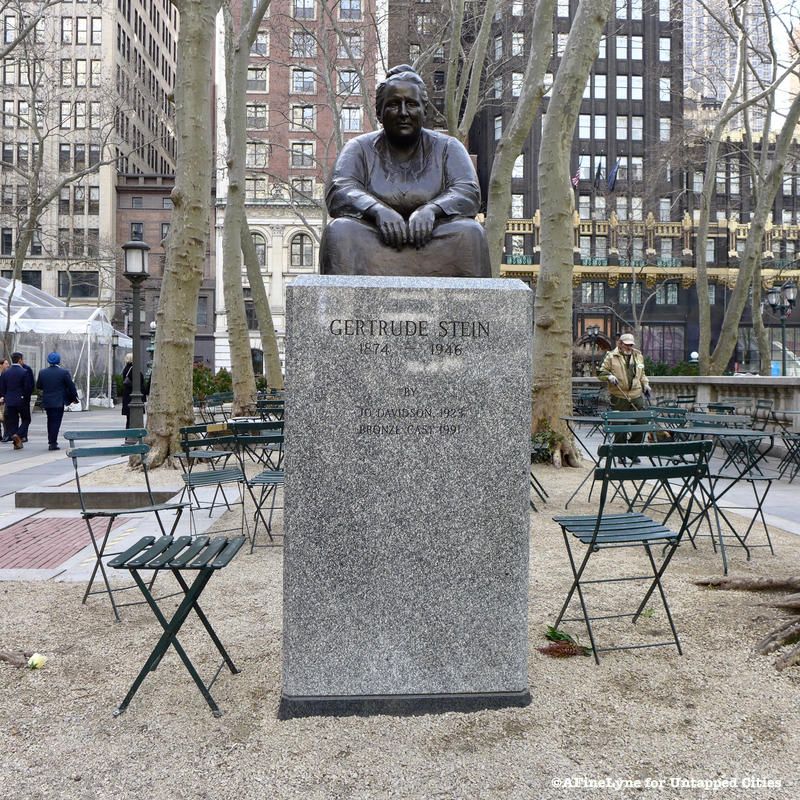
{"points": [[576, 177], [598, 174], [612, 176]]}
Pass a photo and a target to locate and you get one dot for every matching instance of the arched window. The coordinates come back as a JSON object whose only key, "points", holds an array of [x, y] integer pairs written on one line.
{"points": [[301, 251], [261, 248]]}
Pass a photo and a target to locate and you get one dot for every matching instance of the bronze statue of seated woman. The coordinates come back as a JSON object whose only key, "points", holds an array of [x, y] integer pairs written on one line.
{"points": [[403, 199]]}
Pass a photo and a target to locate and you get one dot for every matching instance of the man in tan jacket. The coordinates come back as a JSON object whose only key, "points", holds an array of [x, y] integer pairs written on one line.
{"points": [[623, 370]]}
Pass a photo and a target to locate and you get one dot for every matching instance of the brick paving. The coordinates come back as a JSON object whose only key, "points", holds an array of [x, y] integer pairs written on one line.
{"points": [[45, 542]]}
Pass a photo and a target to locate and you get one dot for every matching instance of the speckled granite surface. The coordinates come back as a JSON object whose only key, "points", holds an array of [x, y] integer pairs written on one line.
{"points": [[406, 511]]}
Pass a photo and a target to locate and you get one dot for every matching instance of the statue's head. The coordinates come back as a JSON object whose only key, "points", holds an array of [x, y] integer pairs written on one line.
{"points": [[401, 101]]}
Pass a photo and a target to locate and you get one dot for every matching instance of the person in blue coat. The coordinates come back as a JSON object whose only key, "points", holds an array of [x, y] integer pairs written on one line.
{"points": [[58, 391], [16, 386], [25, 411]]}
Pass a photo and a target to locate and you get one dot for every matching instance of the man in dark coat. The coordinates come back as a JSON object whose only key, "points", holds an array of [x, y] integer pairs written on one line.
{"points": [[16, 384], [25, 411], [58, 391]]}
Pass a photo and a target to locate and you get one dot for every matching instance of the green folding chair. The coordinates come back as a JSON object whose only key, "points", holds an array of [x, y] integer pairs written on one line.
{"points": [[133, 445], [681, 465]]}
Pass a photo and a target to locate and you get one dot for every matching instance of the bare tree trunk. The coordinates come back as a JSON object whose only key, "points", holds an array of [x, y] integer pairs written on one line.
{"points": [[510, 145], [244, 382], [759, 329], [752, 252], [170, 400], [552, 341], [269, 342]]}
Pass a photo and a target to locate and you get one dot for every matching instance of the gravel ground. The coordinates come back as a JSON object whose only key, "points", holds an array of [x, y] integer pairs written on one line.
{"points": [[718, 713]]}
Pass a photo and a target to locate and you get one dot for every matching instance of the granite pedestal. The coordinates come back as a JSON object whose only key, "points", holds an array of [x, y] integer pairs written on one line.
{"points": [[406, 496]]}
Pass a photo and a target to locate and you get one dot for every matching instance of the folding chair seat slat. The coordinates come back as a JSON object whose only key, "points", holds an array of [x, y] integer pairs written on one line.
{"points": [[120, 559], [231, 549], [190, 552], [155, 549], [214, 548], [171, 552]]}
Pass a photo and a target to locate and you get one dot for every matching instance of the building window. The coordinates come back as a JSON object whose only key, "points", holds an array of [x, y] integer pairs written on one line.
{"points": [[516, 84], [593, 292], [622, 87], [137, 202], [637, 48], [585, 206], [65, 115], [256, 79], [349, 82], [518, 170], [584, 126], [97, 30], [255, 189], [667, 294], [600, 87], [498, 47], [303, 81], [561, 44], [562, 8], [303, 9], [517, 206], [166, 203], [6, 242], [517, 8], [664, 90], [256, 155], [698, 179], [260, 244], [66, 30], [354, 42], [63, 201], [202, 311], [664, 49], [664, 129], [637, 129], [351, 119], [599, 126], [712, 294], [664, 343], [79, 284], [137, 231], [256, 116], [304, 45], [622, 126], [302, 189], [517, 43], [260, 45], [301, 251], [30, 277], [303, 118], [79, 200], [637, 87], [664, 209], [81, 30], [498, 127], [350, 9], [664, 10], [621, 47], [625, 293], [302, 154]]}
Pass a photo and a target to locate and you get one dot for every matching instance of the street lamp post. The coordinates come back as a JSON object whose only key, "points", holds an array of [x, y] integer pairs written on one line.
{"points": [[135, 254], [593, 331], [114, 345], [782, 300]]}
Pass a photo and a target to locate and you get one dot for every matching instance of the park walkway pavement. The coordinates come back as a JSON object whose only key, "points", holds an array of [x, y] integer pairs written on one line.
{"points": [[49, 544]]}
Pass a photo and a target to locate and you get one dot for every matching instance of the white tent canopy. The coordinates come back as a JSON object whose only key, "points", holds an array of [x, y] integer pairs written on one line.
{"points": [[41, 323]]}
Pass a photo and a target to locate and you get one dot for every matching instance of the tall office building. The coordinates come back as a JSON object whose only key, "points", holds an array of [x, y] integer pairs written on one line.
{"points": [[310, 88], [710, 55], [86, 96]]}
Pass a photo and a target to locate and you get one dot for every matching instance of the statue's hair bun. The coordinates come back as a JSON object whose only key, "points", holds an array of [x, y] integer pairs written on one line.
{"points": [[400, 68]]}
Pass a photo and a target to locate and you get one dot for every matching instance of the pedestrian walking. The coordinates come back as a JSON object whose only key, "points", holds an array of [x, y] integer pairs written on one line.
{"points": [[15, 386], [4, 365], [623, 370], [25, 411], [58, 390], [127, 388]]}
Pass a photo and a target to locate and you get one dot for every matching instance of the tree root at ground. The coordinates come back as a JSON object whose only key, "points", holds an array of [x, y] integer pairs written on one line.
{"points": [[787, 634], [565, 457]]}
